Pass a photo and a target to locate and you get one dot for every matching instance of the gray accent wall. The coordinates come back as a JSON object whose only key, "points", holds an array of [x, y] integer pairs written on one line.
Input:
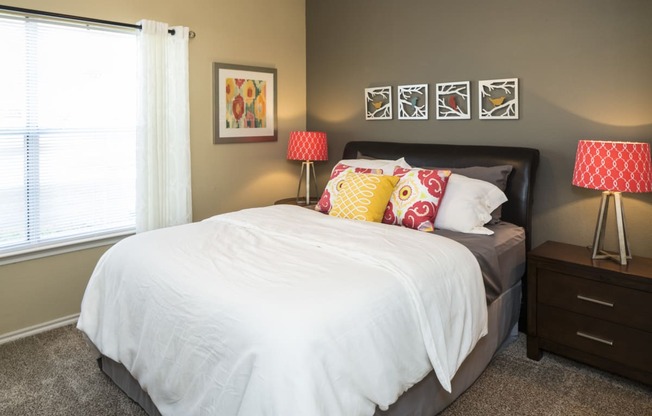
{"points": [[584, 70]]}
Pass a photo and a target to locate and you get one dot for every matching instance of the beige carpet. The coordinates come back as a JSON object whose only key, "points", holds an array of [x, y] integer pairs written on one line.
{"points": [[516, 385], [55, 373]]}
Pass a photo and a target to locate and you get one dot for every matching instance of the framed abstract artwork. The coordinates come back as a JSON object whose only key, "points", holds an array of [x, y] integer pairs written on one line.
{"points": [[413, 102], [244, 104], [453, 100], [378, 103], [498, 99]]}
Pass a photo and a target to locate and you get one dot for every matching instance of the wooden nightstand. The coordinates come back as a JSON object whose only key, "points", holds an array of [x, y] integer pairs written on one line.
{"points": [[301, 202], [594, 311]]}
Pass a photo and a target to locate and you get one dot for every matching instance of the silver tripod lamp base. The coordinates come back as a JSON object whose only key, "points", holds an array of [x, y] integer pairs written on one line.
{"points": [[309, 168], [624, 252]]}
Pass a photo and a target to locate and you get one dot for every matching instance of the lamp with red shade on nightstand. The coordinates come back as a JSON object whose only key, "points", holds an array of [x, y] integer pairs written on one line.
{"points": [[307, 146], [612, 167]]}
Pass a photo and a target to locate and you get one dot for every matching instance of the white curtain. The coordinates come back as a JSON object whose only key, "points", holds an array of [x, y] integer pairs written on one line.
{"points": [[163, 193]]}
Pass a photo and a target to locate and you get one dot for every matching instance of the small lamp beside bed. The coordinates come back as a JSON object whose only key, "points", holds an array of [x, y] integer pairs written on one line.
{"points": [[307, 146], [612, 167]]}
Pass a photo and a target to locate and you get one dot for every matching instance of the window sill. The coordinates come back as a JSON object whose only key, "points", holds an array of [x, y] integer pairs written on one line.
{"points": [[62, 249]]}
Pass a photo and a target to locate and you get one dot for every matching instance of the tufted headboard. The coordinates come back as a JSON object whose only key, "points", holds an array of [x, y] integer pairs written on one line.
{"points": [[520, 184]]}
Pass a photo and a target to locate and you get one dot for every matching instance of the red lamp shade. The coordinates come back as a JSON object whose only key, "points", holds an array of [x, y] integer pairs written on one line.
{"points": [[613, 166], [307, 145]]}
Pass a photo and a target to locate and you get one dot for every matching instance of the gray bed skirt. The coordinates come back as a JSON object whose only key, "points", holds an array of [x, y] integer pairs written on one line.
{"points": [[127, 383], [425, 398]]}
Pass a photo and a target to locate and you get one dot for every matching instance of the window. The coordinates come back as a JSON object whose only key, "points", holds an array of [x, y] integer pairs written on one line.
{"points": [[67, 133]]}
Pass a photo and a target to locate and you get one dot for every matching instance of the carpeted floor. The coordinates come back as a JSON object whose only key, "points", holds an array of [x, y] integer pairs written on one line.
{"points": [[55, 373]]}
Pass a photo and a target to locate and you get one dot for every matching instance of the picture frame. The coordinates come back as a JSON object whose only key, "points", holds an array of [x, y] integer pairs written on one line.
{"points": [[378, 103], [244, 104], [453, 100], [498, 99], [412, 102]]}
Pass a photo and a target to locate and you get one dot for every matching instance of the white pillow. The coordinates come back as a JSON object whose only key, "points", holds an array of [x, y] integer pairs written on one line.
{"points": [[467, 205], [387, 166]]}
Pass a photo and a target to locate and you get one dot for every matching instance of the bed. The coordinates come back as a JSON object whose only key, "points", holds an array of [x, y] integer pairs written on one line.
{"points": [[320, 315]]}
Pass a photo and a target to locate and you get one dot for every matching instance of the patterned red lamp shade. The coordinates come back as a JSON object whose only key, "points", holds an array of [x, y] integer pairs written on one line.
{"points": [[612, 167], [307, 146]]}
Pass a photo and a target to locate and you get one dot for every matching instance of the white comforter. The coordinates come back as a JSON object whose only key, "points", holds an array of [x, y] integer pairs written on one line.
{"points": [[284, 311]]}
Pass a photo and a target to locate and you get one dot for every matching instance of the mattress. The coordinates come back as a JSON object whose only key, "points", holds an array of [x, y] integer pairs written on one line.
{"points": [[504, 252], [501, 256], [373, 320]]}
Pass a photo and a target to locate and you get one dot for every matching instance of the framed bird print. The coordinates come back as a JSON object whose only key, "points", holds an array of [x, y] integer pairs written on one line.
{"points": [[453, 100], [498, 99], [378, 103], [413, 102]]}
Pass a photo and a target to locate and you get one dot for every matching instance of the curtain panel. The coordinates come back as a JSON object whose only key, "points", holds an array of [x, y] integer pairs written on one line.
{"points": [[163, 185]]}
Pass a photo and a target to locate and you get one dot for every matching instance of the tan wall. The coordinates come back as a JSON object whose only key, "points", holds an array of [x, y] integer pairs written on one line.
{"points": [[224, 177]]}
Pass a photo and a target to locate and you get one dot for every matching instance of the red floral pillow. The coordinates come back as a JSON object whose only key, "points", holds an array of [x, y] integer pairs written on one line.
{"points": [[416, 198], [335, 184]]}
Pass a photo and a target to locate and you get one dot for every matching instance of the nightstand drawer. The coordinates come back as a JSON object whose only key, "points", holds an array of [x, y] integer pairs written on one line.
{"points": [[600, 300], [617, 343]]}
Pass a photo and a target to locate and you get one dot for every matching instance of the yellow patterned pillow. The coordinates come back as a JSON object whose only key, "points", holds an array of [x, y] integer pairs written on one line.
{"points": [[363, 196]]}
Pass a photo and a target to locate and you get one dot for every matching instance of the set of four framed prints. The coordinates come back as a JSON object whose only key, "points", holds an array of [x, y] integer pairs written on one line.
{"points": [[497, 99]]}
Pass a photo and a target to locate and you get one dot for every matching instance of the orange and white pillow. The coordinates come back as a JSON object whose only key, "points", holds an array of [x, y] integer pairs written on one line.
{"points": [[416, 198]]}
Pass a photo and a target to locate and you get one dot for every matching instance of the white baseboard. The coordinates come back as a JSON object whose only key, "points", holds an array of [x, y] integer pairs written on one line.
{"points": [[37, 329]]}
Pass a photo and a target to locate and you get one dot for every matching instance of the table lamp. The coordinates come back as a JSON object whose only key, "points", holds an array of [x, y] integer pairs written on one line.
{"points": [[307, 146], [612, 167]]}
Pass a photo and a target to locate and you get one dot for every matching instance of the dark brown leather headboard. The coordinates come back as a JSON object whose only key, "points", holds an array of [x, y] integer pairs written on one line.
{"points": [[520, 184]]}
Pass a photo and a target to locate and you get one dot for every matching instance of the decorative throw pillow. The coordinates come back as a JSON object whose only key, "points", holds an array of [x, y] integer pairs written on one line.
{"points": [[335, 182], [363, 196], [385, 165], [416, 198], [468, 204]]}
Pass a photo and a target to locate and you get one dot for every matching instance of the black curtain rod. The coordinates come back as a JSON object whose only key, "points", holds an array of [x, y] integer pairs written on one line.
{"points": [[79, 18]]}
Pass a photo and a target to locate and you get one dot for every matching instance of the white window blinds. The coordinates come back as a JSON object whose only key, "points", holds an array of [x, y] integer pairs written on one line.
{"points": [[67, 133]]}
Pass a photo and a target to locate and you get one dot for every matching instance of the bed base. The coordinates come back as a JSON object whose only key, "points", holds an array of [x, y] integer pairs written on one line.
{"points": [[128, 384]]}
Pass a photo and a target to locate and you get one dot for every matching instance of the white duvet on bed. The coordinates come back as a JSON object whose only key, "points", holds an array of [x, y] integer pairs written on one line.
{"points": [[284, 311]]}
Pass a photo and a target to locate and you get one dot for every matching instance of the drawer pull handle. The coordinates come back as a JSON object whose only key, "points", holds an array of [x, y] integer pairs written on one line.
{"points": [[592, 338], [599, 302]]}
